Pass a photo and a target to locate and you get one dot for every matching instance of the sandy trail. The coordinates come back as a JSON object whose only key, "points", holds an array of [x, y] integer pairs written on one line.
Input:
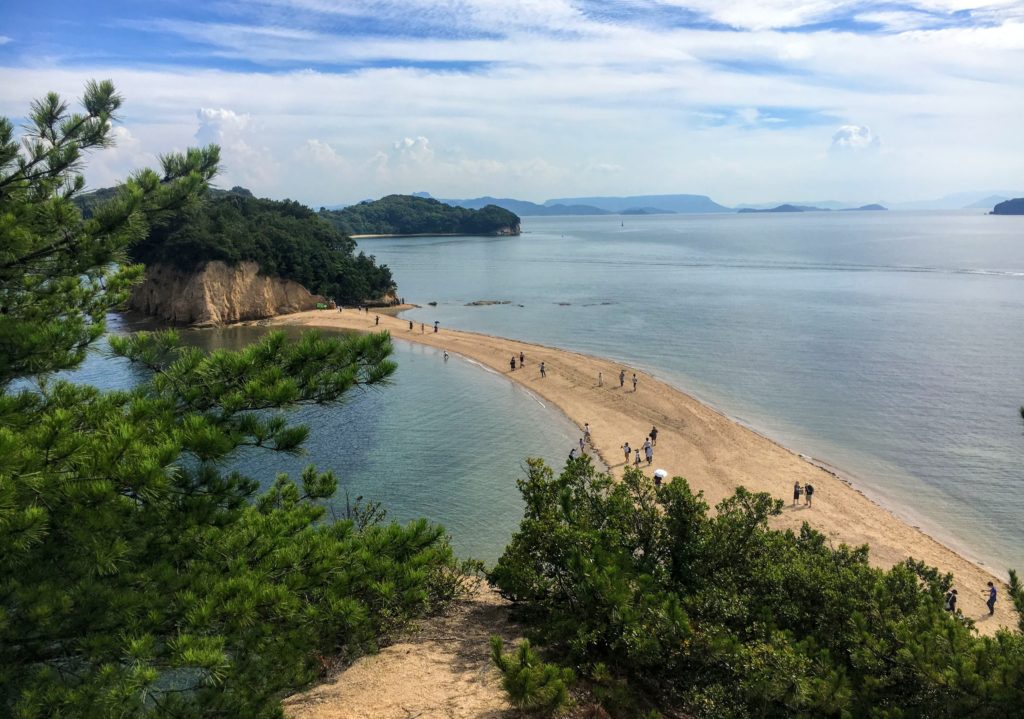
{"points": [[442, 671], [714, 453]]}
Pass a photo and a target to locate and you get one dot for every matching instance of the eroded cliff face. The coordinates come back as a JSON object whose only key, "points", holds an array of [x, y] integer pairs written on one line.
{"points": [[218, 294]]}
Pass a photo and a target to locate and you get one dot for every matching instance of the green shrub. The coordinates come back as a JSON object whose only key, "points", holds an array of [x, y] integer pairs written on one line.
{"points": [[717, 615], [531, 683]]}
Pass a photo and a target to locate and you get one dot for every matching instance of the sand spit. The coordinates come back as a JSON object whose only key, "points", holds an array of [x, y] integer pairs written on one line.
{"points": [[714, 453]]}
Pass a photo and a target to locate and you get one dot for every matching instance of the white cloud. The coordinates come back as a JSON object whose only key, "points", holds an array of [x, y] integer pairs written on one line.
{"points": [[220, 125], [855, 137], [242, 162], [112, 165], [412, 150], [552, 113]]}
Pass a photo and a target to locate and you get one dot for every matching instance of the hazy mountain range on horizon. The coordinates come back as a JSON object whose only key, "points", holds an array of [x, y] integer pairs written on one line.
{"points": [[689, 203]]}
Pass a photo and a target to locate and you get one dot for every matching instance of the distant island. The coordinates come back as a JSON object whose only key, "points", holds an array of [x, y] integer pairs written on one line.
{"points": [[652, 204], [1010, 207], [808, 208], [647, 211], [413, 215], [626, 205], [523, 208]]}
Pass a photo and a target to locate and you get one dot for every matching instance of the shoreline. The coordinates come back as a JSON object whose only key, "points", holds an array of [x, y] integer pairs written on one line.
{"points": [[713, 451], [435, 234]]}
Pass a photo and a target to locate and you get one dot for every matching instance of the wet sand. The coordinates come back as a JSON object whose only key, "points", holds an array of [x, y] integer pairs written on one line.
{"points": [[714, 453]]}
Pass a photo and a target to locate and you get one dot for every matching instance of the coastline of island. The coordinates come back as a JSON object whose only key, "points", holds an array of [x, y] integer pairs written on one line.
{"points": [[713, 452], [430, 234]]}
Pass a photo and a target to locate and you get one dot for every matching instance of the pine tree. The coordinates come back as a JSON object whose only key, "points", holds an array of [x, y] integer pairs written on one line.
{"points": [[138, 576], [655, 601]]}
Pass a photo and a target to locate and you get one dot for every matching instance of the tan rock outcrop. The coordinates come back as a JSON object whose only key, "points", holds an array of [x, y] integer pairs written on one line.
{"points": [[218, 294]]}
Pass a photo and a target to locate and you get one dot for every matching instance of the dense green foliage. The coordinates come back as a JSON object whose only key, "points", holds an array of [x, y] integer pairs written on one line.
{"points": [[138, 576], [60, 274], [409, 215], [662, 605], [530, 682], [285, 238]]}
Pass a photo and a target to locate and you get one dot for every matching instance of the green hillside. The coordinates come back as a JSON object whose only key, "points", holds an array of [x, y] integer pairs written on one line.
{"points": [[409, 215], [285, 238]]}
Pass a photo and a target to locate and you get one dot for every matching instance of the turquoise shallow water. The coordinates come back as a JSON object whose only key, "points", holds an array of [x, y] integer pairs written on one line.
{"points": [[886, 344], [446, 440]]}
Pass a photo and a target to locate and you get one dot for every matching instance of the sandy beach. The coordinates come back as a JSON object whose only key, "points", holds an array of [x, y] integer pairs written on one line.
{"points": [[714, 453]]}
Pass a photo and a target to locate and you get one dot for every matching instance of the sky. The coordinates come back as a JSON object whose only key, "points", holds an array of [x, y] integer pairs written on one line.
{"points": [[332, 102]]}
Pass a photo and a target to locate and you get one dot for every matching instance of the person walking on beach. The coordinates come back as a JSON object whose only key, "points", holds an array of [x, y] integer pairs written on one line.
{"points": [[648, 451], [622, 378], [376, 320], [991, 602], [522, 359], [435, 326], [634, 382], [950, 605], [586, 433], [636, 462], [582, 451], [627, 451], [654, 436], [410, 325], [512, 363], [797, 491], [808, 493], [543, 373], [421, 328], [446, 355], [600, 380]]}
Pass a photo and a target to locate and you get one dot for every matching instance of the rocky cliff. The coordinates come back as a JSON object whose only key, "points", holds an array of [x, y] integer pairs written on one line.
{"points": [[218, 294]]}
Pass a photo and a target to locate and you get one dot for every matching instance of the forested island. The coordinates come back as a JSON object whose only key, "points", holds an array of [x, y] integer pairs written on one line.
{"points": [[1010, 207], [810, 208], [285, 238], [411, 215]]}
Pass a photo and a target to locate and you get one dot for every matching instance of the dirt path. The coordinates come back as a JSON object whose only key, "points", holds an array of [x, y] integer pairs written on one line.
{"points": [[441, 671]]}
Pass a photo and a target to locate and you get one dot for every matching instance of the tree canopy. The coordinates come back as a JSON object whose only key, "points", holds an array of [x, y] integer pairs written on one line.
{"points": [[139, 575], [285, 238], [663, 607], [411, 215]]}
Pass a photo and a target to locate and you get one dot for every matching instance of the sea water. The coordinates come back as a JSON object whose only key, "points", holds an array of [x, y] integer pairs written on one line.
{"points": [[889, 345], [445, 440]]}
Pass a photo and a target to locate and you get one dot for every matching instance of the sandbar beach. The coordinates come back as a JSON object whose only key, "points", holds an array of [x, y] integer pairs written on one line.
{"points": [[714, 453]]}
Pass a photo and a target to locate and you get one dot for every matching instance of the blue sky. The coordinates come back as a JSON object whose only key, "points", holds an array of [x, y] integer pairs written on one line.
{"points": [[330, 102]]}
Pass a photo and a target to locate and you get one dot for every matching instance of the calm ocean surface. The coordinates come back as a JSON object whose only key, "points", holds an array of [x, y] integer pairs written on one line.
{"points": [[889, 345], [446, 440]]}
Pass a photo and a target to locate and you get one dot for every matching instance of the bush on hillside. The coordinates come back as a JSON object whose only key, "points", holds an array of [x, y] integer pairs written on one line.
{"points": [[721, 616]]}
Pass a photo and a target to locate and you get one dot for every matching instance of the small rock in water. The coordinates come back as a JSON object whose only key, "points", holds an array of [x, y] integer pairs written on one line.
{"points": [[484, 303], [432, 304]]}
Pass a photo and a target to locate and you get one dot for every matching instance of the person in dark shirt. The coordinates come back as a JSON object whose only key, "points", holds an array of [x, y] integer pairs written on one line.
{"points": [[991, 599]]}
